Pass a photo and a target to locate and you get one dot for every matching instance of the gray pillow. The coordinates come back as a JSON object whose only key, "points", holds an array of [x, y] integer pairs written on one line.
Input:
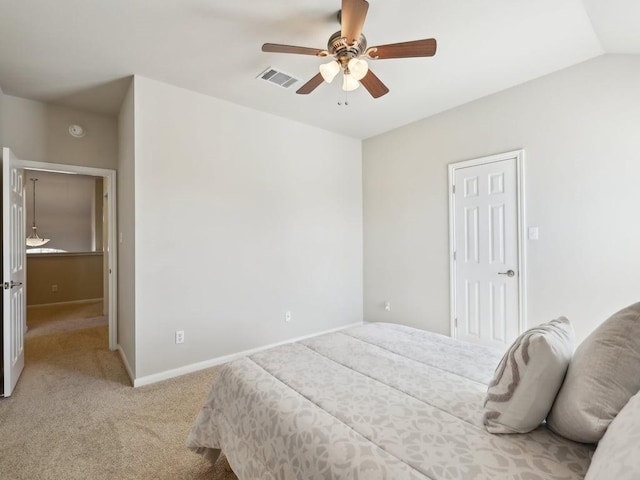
{"points": [[528, 378], [603, 375], [617, 453]]}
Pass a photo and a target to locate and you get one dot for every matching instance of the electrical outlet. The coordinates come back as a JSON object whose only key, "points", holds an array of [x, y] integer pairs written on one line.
{"points": [[287, 316], [387, 306], [179, 336], [54, 288]]}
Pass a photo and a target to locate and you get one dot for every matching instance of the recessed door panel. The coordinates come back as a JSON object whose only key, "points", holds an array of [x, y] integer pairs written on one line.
{"points": [[498, 311], [472, 311], [496, 234], [471, 235]]}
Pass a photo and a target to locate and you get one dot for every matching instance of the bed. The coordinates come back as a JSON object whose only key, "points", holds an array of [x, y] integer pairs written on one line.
{"points": [[378, 401]]}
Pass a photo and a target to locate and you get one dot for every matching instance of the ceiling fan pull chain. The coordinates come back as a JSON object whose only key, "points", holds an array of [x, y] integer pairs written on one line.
{"points": [[346, 97]]}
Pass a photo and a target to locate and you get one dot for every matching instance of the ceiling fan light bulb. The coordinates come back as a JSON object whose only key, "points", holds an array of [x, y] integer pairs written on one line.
{"points": [[349, 83], [329, 70], [358, 68]]}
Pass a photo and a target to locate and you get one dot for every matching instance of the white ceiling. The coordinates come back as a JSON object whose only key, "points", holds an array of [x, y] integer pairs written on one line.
{"points": [[80, 52]]}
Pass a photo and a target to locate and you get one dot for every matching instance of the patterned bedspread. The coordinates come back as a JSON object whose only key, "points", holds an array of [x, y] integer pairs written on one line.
{"points": [[375, 402]]}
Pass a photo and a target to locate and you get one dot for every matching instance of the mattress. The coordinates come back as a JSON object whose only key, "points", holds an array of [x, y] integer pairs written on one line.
{"points": [[378, 401]]}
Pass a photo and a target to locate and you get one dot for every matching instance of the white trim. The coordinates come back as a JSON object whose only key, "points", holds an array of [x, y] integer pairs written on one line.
{"points": [[522, 245], [194, 367], [127, 367], [112, 254], [70, 302]]}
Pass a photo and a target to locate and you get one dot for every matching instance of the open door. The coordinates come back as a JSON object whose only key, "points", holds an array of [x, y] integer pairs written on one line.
{"points": [[13, 271]]}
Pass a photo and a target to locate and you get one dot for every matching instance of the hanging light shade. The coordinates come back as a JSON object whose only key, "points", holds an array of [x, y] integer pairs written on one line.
{"points": [[329, 70], [34, 240], [349, 83], [358, 68]]}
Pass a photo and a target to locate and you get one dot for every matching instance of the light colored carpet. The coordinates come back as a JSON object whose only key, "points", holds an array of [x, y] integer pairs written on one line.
{"points": [[74, 415], [44, 320]]}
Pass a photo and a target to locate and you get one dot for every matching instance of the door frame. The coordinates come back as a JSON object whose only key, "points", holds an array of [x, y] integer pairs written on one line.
{"points": [[112, 254], [518, 155]]}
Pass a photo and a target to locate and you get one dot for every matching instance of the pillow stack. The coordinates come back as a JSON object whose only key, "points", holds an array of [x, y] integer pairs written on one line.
{"points": [[528, 378], [579, 396]]}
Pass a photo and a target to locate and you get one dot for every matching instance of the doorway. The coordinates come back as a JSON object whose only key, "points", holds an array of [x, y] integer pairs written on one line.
{"points": [[14, 256], [487, 268], [106, 237]]}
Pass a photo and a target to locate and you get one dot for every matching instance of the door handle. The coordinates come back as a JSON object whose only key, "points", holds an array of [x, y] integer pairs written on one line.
{"points": [[8, 285], [508, 273]]}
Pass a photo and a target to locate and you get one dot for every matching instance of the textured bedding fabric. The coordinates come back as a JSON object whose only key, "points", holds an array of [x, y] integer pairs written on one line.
{"points": [[375, 402]]}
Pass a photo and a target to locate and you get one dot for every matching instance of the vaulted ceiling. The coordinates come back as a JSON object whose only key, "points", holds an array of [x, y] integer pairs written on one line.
{"points": [[81, 52]]}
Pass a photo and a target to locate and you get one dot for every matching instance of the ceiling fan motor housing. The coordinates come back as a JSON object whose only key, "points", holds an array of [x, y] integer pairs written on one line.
{"points": [[342, 50]]}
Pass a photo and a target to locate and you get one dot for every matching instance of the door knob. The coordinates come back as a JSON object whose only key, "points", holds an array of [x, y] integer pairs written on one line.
{"points": [[508, 273], [8, 285]]}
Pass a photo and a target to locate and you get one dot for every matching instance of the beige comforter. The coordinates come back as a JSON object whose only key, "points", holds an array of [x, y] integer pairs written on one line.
{"points": [[380, 401]]}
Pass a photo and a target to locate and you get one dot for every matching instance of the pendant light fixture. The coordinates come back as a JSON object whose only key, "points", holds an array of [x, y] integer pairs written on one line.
{"points": [[33, 240]]}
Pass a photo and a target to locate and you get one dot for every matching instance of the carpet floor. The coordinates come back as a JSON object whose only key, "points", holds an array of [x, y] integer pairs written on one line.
{"points": [[74, 414]]}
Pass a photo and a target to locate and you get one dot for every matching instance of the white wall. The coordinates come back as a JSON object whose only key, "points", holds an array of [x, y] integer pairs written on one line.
{"points": [[40, 132], [240, 216], [126, 231], [580, 131]]}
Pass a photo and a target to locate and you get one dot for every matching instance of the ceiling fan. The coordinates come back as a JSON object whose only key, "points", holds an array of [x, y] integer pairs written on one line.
{"points": [[348, 48]]}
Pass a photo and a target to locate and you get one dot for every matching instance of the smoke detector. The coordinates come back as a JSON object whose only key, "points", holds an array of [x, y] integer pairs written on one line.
{"points": [[76, 131]]}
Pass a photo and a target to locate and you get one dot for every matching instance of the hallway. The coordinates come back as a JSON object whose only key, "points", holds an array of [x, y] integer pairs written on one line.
{"points": [[48, 319]]}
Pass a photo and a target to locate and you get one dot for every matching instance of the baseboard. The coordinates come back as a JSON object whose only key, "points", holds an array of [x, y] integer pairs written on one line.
{"points": [[70, 302], [127, 367], [194, 367]]}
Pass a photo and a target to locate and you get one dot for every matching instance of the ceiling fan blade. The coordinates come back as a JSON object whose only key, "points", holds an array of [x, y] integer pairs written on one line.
{"points": [[416, 48], [373, 85], [352, 18], [311, 85], [277, 48]]}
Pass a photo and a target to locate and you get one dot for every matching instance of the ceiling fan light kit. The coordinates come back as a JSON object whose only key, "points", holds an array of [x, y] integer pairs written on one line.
{"points": [[348, 48], [349, 83], [358, 68], [329, 70]]}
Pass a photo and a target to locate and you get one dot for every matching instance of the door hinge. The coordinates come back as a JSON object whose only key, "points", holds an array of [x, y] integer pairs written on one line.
{"points": [[454, 256], [455, 322], [453, 189]]}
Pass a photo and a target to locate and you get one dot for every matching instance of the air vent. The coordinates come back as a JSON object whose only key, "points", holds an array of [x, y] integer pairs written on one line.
{"points": [[277, 77]]}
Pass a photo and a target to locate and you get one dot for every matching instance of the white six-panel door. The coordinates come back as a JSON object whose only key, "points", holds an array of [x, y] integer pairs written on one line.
{"points": [[486, 262], [13, 271]]}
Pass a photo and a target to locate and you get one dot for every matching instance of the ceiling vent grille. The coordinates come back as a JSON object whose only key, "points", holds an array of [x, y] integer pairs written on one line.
{"points": [[277, 77]]}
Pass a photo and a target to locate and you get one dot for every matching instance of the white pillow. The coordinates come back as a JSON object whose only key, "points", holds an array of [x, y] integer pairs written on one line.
{"points": [[617, 453], [528, 378], [603, 375]]}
